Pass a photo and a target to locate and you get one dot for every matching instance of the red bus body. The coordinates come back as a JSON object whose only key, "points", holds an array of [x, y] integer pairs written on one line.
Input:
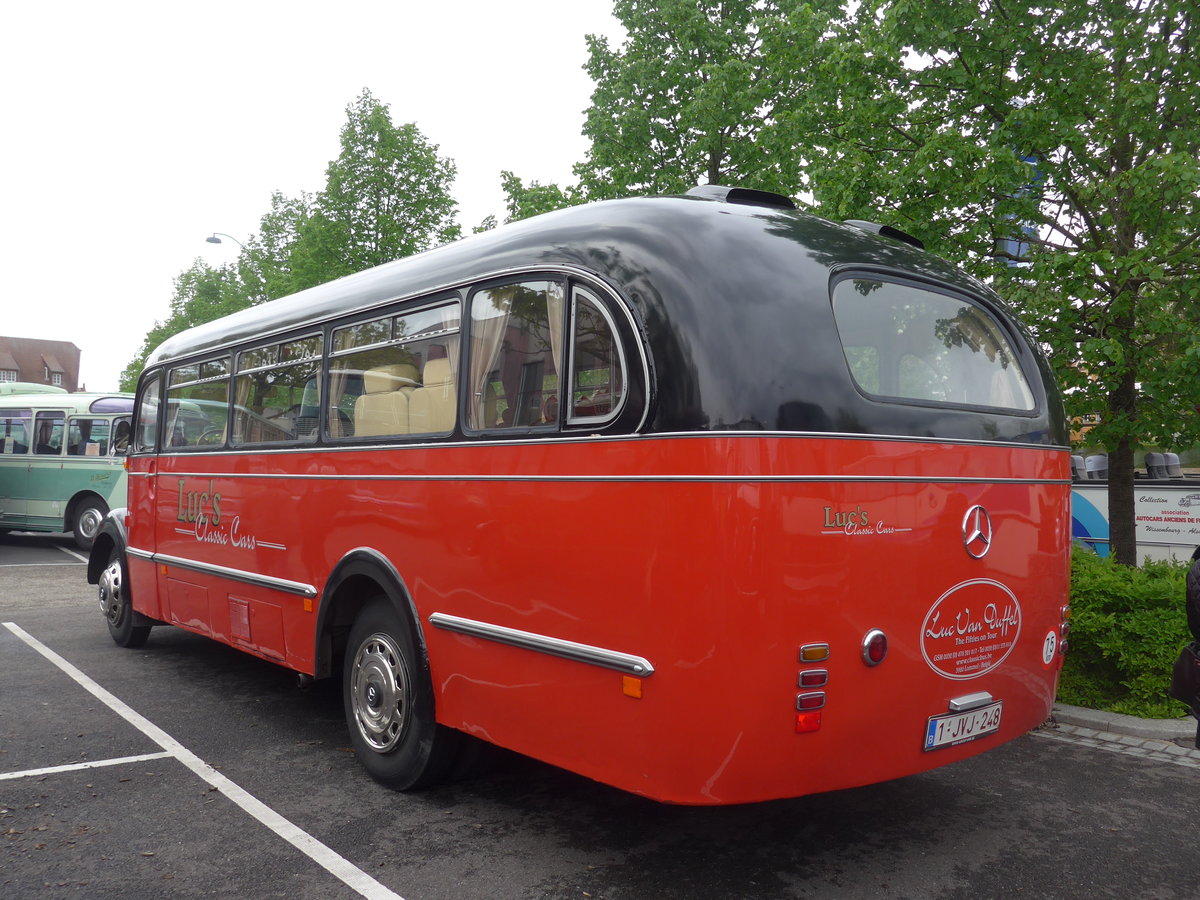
{"points": [[697, 563]]}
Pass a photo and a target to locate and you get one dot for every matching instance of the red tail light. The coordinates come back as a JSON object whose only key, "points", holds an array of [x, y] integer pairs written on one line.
{"points": [[807, 722], [874, 647]]}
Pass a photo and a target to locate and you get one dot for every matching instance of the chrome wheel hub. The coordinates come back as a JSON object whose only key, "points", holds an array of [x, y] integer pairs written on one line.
{"points": [[89, 523], [112, 593], [379, 693]]}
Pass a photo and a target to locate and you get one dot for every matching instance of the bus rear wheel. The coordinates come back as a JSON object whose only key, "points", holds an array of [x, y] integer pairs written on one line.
{"points": [[389, 703], [117, 604], [88, 518]]}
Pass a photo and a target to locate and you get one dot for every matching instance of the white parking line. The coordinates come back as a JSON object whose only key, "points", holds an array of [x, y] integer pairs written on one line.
{"points": [[70, 552], [332, 862], [75, 767], [57, 565]]}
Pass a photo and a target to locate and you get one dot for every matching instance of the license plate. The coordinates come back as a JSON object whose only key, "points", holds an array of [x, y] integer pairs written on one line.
{"points": [[958, 728]]}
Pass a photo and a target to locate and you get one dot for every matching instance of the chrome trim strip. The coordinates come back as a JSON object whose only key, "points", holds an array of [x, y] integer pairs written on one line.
{"points": [[653, 436], [240, 575], [970, 701], [584, 653], [629, 479]]}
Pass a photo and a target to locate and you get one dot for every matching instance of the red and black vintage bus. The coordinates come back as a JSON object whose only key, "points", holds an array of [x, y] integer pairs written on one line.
{"points": [[702, 497]]}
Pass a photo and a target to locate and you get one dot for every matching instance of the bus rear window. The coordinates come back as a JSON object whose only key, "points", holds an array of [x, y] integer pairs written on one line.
{"points": [[907, 343]]}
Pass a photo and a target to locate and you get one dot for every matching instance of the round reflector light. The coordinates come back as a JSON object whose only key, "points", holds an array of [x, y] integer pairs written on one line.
{"points": [[874, 647]]}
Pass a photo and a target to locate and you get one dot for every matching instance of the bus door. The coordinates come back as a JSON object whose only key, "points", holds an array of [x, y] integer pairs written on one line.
{"points": [[188, 526], [140, 521], [16, 426], [46, 505]]}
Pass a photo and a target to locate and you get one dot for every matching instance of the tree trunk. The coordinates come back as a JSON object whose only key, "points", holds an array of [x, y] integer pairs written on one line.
{"points": [[1122, 524]]}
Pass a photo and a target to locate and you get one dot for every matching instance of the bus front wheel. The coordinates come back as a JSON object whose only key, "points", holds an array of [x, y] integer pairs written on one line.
{"points": [[88, 518], [389, 703], [117, 603]]}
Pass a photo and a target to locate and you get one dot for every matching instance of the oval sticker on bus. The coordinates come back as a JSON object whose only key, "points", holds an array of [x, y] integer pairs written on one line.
{"points": [[971, 629]]}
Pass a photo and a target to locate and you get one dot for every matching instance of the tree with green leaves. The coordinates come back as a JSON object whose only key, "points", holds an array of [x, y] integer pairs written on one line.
{"points": [[202, 294], [265, 264], [387, 195], [1055, 151], [690, 97], [686, 98]]}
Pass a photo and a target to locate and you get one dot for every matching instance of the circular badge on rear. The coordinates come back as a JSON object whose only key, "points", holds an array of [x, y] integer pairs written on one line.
{"points": [[971, 629]]}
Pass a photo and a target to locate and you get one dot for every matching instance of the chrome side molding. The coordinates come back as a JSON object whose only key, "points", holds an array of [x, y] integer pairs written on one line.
{"points": [[528, 640]]}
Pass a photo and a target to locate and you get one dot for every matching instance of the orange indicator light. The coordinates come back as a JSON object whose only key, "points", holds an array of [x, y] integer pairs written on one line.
{"points": [[814, 653], [631, 687], [808, 722]]}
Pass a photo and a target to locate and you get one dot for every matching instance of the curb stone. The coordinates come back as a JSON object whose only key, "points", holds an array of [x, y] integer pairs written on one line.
{"points": [[1169, 730]]}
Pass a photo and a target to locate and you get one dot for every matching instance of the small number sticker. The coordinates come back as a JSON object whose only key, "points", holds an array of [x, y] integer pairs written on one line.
{"points": [[1049, 646]]}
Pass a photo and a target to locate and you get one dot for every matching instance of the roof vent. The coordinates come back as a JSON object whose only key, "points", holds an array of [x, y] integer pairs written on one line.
{"points": [[887, 231], [743, 196]]}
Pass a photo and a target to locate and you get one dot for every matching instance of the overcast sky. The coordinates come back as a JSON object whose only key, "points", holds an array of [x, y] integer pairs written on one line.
{"points": [[134, 130]]}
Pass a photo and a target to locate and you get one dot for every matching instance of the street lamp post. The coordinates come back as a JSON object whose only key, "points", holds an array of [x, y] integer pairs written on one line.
{"points": [[217, 240]]}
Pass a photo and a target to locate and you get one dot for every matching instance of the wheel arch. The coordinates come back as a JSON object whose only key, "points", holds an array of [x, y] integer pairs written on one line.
{"points": [[360, 575], [112, 534], [79, 500]]}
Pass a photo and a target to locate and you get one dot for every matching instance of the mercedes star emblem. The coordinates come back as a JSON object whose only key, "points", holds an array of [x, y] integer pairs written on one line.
{"points": [[977, 531]]}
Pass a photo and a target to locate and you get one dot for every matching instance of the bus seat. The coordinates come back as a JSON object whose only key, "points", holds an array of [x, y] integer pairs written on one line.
{"points": [[433, 406], [491, 407], [1156, 466], [1078, 468], [383, 406], [1174, 470]]}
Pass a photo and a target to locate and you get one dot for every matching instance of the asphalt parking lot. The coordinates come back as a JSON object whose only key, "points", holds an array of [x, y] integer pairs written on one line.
{"points": [[185, 768]]}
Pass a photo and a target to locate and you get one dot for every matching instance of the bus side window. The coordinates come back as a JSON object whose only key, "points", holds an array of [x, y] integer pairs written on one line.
{"points": [[273, 386], [48, 433], [516, 355], [14, 431], [146, 435], [120, 444], [396, 376], [197, 405], [87, 437], [597, 363]]}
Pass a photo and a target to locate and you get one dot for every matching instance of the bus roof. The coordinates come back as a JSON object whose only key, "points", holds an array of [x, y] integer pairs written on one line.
{"points": [[29, 387], [719, 284], [83, 402], [626, 241]]}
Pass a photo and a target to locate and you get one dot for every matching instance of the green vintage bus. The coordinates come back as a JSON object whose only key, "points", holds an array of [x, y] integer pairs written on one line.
{"points": [[62, 461]]}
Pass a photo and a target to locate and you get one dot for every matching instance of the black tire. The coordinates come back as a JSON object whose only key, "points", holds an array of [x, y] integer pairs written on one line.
{"points": [[388, 698], [117, 603], [87, 522]]}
